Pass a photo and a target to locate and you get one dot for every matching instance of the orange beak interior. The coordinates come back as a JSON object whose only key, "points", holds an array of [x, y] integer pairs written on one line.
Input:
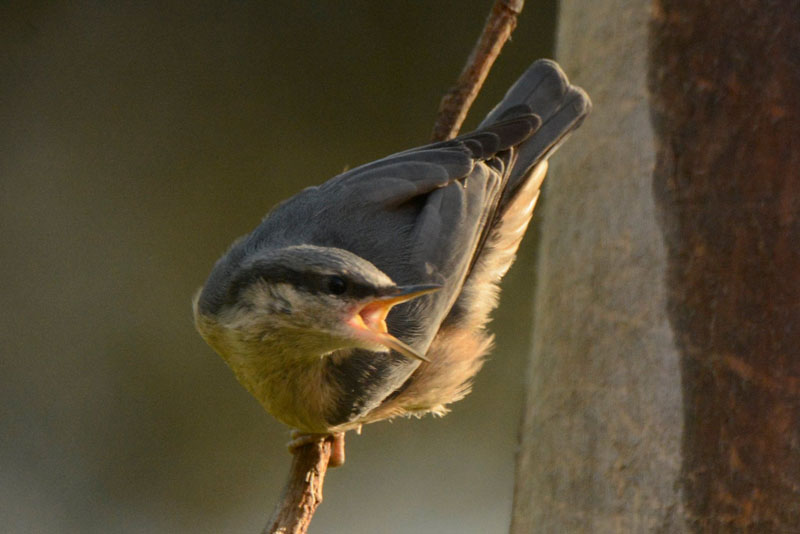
{"points": [[369, 322]]}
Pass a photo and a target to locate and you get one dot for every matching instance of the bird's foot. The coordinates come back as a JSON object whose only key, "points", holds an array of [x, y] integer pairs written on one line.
{"points": [[299, 439]]}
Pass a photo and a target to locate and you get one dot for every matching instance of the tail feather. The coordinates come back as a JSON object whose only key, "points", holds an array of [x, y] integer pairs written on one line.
{"points": [[545, 91]]}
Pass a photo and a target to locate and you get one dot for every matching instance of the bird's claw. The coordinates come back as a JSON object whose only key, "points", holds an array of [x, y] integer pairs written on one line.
{"points": [[300, 439]]}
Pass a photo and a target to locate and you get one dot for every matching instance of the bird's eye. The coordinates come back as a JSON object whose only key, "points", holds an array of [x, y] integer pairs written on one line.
{"points": [[336, 285]]}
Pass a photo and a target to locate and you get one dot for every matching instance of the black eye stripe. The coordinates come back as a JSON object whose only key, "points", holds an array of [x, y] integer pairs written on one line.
{"points": [[310, 281]]}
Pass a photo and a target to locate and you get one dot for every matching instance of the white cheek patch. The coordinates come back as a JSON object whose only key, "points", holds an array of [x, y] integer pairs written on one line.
{"points": [[278, 299]]}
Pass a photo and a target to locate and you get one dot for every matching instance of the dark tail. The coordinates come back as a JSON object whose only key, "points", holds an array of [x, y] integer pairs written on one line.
{"points": [[544, 90]]}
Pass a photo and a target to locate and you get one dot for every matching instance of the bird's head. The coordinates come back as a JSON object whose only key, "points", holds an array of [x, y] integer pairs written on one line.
{"points": [[305, 299]]}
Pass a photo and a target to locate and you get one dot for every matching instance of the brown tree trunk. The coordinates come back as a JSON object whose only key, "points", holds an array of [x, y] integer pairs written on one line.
{"points": [[664, 387], [726, 101]]}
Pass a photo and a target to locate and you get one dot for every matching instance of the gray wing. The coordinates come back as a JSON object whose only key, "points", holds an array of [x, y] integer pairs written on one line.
{"points": [[418, 216], [545, 90], [458, 352]]}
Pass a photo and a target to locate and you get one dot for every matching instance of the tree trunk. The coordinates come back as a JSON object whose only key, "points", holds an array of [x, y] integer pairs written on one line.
{"points": [[726, 102], [602, 427], [691, 228]]}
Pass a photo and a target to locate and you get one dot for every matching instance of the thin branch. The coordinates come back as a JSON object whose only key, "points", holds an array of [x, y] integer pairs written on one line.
{"points": [[455, 104], [303, 491]]}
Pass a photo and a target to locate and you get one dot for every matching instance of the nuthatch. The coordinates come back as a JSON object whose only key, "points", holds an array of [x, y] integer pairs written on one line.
{"points": [[367, 297]]}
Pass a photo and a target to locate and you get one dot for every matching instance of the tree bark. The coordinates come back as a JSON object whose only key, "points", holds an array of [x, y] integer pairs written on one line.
{"points": [[664, 391], [726, 90], [601, 434]]}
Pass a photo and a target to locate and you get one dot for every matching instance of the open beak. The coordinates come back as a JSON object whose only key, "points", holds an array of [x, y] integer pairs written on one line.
{"points": [[369, 322]]}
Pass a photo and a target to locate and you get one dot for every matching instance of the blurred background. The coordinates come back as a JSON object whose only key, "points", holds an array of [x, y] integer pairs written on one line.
{"points": [[137, 142]]}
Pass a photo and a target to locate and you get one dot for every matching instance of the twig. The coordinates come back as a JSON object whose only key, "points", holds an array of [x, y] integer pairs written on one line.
{"points": [[457, 101], [303, 491]]}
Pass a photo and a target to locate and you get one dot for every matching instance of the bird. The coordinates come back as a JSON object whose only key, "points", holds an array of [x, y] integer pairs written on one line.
{"points": [[368, 297]]}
